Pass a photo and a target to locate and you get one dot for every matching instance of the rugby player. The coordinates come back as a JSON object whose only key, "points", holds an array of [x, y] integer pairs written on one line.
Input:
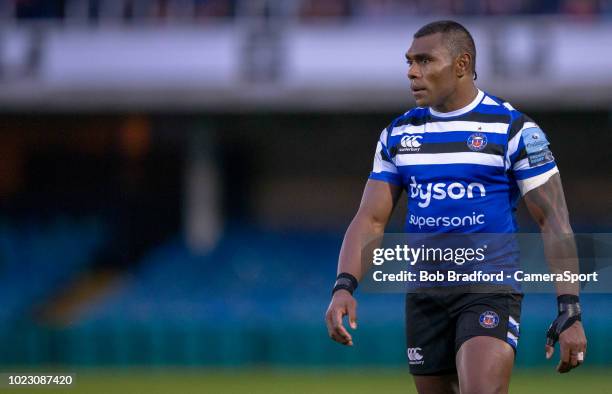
{"points": [[464, 136]]}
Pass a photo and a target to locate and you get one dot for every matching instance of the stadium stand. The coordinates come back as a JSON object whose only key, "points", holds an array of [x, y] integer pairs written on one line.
{"points": [[37, 259]]}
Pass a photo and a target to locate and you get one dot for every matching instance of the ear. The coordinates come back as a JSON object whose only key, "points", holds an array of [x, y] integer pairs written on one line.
{"points": [[463, 65]]}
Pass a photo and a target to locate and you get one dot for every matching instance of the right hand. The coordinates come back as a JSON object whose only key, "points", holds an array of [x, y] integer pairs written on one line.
{"points": [[342, 304]]}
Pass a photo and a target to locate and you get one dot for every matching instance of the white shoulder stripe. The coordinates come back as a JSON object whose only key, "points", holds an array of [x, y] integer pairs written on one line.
{"points": [[510, 107], [408, 128], [514, 142], [381, 165], [444, 127], [489, 101], [526, 185], [383, 136], [450, 158]]}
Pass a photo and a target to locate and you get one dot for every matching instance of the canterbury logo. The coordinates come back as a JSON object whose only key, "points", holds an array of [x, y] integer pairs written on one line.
{"points": [[414, 355], [411, 141]]}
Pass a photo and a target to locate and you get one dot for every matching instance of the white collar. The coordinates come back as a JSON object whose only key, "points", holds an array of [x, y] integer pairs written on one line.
{"points": [[460, 111]]}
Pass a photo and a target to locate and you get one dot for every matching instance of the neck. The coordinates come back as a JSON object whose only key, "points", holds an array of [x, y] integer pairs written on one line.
{"points": [[458, 99]]}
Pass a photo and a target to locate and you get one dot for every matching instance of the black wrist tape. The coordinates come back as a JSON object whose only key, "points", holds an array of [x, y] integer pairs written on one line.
{"points": [[345, 281], [569, 313], [570, 303]]}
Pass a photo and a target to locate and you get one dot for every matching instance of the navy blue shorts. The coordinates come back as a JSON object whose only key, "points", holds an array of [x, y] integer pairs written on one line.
{"points": [[438, 324]]}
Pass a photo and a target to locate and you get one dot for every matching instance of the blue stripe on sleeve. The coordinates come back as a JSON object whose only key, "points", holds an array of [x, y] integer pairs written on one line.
{"points": [[388, 177]]}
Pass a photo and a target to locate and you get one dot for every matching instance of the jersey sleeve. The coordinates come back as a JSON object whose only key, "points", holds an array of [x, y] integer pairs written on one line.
{"points": [[528, 155], [384, 169]]}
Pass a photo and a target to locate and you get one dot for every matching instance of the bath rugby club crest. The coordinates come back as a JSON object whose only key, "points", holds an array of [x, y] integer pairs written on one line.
{"points": [[489, 319], [477, 141]]}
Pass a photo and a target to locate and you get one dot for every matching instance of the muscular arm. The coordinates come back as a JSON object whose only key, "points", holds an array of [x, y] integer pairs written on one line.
{"points": [[379, 199], [377, 203], [547, 206]]}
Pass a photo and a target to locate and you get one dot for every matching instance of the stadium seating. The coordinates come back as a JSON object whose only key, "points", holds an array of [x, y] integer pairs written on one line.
{"points": [[36, 258]]}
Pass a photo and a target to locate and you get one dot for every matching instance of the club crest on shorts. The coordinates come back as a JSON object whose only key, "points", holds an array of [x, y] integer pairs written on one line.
{"points": [[489, 319], [477, 141]]}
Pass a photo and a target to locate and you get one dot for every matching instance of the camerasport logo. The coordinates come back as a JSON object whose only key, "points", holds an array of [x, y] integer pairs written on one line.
{"points": [[414, 356], [410, 144]]}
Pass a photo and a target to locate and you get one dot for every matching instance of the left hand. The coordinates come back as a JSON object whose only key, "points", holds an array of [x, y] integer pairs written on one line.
{"points": [[572, 342]]}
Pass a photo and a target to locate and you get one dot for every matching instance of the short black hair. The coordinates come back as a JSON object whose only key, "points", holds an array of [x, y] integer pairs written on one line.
{"points": [[457, 38]]}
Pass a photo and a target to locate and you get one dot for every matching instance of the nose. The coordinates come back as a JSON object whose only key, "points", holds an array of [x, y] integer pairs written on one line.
{"points": [[413, 71]]}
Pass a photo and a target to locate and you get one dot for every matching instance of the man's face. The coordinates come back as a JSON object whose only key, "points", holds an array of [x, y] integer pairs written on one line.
{"points": [[431, 70]]}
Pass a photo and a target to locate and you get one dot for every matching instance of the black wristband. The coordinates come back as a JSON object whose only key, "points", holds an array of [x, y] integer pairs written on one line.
{"points": [[569, 303], [568, 299], [345, 281]]}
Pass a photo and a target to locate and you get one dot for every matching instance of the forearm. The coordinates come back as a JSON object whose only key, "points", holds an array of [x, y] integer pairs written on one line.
{"points": [[561, 255], [547, 205]]}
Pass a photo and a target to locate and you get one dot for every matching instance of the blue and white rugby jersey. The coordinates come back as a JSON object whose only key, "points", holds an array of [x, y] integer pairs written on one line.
{"points": [[464, 170]]}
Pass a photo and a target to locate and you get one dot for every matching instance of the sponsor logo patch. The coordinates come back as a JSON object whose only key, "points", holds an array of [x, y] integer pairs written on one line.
{"points": [[447, 221], [534, 140], [410, 144], [536, 146], [414, 356], [440, 191], [539, 158]]}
